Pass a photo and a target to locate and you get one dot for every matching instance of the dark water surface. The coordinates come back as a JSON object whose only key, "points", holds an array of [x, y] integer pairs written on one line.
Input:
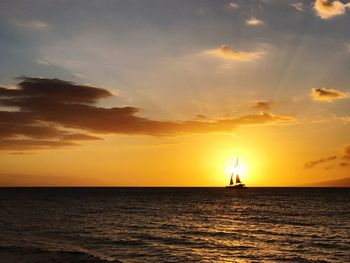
{"points": [[174, 225]]}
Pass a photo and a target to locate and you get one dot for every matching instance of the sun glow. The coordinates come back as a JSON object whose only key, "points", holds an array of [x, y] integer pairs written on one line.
{"points": [[241, 168]]}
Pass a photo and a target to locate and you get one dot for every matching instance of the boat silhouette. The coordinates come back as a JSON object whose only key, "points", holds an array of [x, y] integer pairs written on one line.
{"points": [[237, 183]]}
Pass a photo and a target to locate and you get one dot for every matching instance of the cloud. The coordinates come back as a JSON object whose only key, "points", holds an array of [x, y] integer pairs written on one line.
{"points": [[323, 94], [298, 6], [228, 53], [262, 105], [345, 119], [254, 22], [29, 144], [57, 113], [312, 164], [55, 90], [345, 156], [33, 24], [22, 153], [347, 46], [327, 9], [233, 5]]}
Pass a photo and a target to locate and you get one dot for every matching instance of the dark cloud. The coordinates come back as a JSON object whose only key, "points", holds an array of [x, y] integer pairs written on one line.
{"points": [[312, 164], [30, 144], [48, 110], [80, 137], [346, 156], [21, 153], [55, 90], [329, 95], [262, 105], [201, 117]]}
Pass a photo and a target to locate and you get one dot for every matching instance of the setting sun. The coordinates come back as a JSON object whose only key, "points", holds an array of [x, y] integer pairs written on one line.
{"points": [[240, 168]]}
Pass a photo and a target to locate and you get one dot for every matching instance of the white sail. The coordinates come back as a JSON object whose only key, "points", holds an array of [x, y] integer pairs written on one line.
{"points": [[235, 181]]}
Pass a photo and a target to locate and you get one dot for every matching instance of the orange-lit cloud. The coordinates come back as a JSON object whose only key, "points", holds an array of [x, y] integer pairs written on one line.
{"points": [[262, 105], [228, 53], [56, 113], [345, 119], [253, 21], [323, 94], [330, 8]]}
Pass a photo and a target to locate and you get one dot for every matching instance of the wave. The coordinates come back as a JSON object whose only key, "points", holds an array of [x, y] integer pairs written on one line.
{"points": [[10, 254]]}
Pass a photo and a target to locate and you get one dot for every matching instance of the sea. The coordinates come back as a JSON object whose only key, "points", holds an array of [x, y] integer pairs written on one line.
{"points": [[174, 225]]}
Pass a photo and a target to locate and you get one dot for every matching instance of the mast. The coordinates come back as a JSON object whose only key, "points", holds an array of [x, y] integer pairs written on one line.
{"points": [[238, 181]]}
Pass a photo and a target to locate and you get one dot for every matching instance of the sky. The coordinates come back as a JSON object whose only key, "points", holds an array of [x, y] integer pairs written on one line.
{"points": [[170, 93]]}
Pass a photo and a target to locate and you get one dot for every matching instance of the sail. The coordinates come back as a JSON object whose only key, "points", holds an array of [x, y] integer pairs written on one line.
{"points": [[231, 180], [238, 181]]}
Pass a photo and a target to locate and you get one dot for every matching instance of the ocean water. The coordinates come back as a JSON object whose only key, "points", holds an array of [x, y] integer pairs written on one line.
{"points": [[174, 225]]}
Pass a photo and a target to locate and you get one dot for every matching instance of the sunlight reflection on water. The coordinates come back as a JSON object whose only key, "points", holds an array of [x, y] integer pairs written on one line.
{"points": [[180, 224]]}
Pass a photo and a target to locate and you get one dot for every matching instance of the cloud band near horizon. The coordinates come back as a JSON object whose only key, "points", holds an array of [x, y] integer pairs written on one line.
{"points": [[45, 113]]}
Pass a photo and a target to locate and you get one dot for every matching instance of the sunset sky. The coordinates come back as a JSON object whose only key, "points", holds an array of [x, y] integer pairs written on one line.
{"points": [[169, 93]]}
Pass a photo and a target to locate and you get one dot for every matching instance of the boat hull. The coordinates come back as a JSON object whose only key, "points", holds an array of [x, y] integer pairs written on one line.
{"points": [[238, 186]]}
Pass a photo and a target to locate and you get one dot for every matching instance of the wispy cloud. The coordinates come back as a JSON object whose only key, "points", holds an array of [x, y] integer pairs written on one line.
{"points": [[254, 22], [327, 9], [57, 113], [312, 164], [33, 24], [344, 156], [233, 5], [43, 62], [298, 6], [329, 95], [262, 105], [347, 46], [22, 153], [226, 52], [345, 119]]}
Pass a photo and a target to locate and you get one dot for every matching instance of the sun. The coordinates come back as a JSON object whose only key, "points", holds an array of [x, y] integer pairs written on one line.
{"points": [[240, 169]]}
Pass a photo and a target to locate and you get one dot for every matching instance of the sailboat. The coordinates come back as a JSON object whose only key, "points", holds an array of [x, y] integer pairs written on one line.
{"points": [[238, 183]]}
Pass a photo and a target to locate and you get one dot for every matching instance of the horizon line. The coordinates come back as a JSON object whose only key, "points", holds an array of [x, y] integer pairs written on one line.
{"points": [[62, 186]]}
